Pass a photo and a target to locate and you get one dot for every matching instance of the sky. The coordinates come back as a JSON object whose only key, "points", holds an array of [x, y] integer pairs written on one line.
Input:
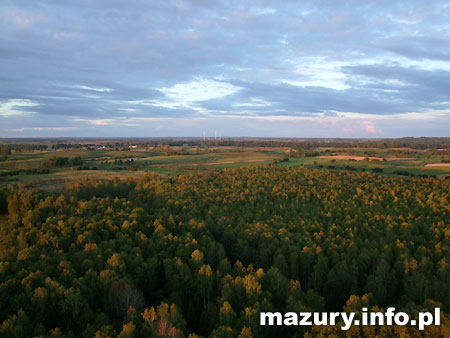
{"points": [[147, 68]]}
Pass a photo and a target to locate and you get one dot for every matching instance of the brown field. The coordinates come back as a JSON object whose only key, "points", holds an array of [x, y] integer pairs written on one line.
{"points": [[272, 148], [399, 158], [361, 158], [437, 165], [231, 162], [348, 157]]}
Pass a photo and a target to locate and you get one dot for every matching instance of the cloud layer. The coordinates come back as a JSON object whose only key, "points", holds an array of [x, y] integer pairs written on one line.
{"points": [[244, 68]]}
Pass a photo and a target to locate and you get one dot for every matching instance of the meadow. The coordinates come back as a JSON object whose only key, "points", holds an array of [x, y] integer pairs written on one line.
{"points": [[25, 167]]}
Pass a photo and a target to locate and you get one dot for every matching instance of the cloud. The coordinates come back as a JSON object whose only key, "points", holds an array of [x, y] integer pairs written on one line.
{"points": [[180, 60], [15, 107], [420, 48], [21, 19], [238, 126], [107, 90], [369, 127], [199, 89]]}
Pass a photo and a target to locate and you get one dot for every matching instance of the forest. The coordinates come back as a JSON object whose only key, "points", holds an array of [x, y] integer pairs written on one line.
{"points": [[201, 255]]}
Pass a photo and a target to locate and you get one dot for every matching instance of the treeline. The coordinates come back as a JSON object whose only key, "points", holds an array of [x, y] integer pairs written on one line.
{"points": [[203, 255], [414, 143], [34, 171], [4, 152], [406, 142], [21, 147], [434, 143], [56, 162]]}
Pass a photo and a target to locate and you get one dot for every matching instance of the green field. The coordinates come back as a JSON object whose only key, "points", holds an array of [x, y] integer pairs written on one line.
{"points": [[17, 169]]}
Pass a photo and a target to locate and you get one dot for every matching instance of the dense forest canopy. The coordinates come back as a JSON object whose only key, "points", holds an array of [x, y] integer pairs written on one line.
{"points": [[203, 255]]}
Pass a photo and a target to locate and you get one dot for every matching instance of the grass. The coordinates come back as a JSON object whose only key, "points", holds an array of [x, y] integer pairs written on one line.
{"points": [[194, 162]]}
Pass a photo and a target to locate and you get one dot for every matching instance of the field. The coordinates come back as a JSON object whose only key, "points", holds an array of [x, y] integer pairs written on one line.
{"points": [[24, 167]]}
